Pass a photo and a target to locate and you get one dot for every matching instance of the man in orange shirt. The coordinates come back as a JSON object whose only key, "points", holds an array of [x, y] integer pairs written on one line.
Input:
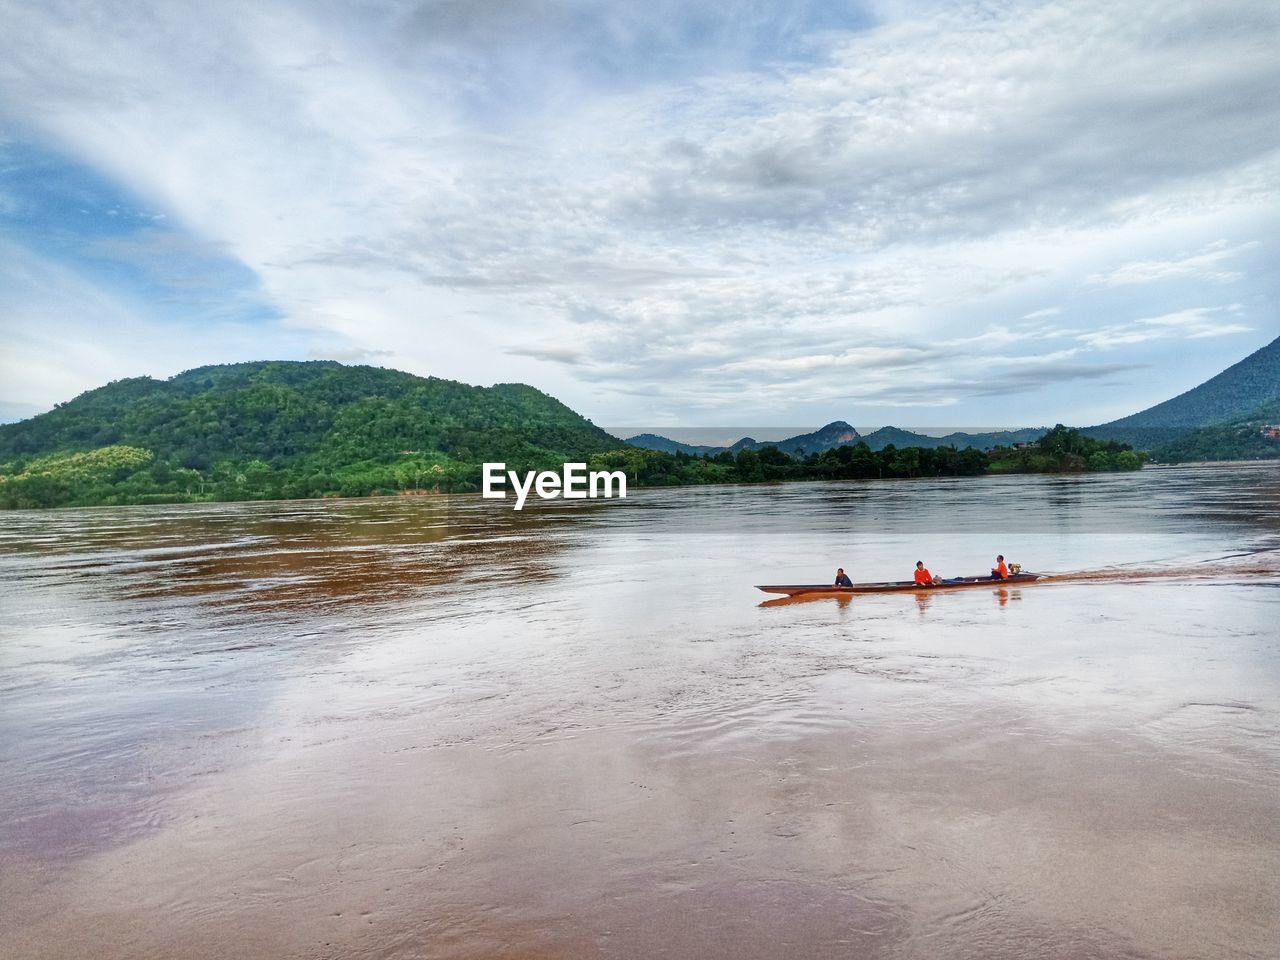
{"points": [[1000, 571], [923, 577]]}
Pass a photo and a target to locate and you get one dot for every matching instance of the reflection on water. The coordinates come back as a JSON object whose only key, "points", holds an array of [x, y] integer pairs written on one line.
{"points": [[437, 727]]}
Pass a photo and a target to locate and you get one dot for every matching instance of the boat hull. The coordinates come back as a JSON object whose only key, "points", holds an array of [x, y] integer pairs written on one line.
{"points": [[900, 586]]}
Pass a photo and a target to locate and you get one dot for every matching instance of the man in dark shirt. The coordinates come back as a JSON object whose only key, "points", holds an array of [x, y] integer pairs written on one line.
{"points": [[842, 579]]}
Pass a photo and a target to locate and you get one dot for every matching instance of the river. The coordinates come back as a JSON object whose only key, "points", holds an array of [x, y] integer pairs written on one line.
{"points": [[437, 727]]}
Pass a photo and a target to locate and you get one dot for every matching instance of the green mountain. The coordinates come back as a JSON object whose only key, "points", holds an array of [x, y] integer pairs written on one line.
{"points": [[1232, 395], [839, 434], [651, 441], [1244, 438], [886, 436], [283, 429], [834, 434]]}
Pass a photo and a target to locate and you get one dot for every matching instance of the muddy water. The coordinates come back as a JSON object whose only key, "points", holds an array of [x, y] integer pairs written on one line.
{"points": [[402, 728]]}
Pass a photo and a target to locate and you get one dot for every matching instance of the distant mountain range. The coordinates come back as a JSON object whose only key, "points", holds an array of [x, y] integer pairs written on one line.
{"points": [[885, 436], [1234, 404], [834, 434], [286, 429], [651, 441], [838, 433]]}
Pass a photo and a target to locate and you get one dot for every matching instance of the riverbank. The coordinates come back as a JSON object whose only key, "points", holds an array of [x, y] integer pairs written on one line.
{"points": [[123, 475]]}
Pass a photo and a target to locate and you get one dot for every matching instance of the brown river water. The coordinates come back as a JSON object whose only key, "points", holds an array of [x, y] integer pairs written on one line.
{"points": [[440, 728]]}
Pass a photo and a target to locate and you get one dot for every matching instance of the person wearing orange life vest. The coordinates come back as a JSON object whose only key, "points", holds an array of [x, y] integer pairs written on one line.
{"points": [[1000, 571], [923, 577]]}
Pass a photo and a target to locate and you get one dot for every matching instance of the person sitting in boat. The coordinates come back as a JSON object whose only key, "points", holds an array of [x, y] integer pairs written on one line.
{"points": [[923, 577], [1000, 571], [842, 578]]}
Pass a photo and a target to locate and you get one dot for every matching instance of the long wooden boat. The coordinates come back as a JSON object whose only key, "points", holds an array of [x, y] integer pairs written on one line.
{"points": [[896, 586]]}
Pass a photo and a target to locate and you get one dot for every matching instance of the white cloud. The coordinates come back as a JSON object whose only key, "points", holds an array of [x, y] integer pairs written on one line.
{"points": [[1195, 323], [1042, 313], [351, 355], [855, 360], [554, 354], [1205, 265], [729, 229]]}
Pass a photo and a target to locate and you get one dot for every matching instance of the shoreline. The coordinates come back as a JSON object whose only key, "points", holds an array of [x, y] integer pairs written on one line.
{"points": [[436, 495]]}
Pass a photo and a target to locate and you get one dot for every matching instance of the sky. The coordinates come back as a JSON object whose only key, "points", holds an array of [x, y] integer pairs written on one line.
{"points": [[662, 213]]}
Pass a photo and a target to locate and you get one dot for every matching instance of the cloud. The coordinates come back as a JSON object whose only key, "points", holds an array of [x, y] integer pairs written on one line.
{"points": [[350, 354], [563, 355], [1205, 265], [1042, 313], [687, 206], [1195, 323], [1037, 376], [854, 360], [1055, 119]]}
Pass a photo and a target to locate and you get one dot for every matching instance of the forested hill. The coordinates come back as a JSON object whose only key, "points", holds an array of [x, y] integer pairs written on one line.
{"points": [[285, 409], [285, 428], [1252, 437], [651, 441], [1229, 396]]}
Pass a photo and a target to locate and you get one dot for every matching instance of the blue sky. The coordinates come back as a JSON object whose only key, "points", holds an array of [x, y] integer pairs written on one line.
{"points": [[681, 214]]}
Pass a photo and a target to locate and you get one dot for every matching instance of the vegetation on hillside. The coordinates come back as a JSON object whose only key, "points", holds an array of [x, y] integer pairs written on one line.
{"points": [[287, 430], [656, 468], [264, 431], [1064, 450], [1245, 438]]}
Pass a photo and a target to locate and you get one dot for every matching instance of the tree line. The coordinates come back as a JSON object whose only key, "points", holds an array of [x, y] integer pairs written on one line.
{"points": [[124, 474]]}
